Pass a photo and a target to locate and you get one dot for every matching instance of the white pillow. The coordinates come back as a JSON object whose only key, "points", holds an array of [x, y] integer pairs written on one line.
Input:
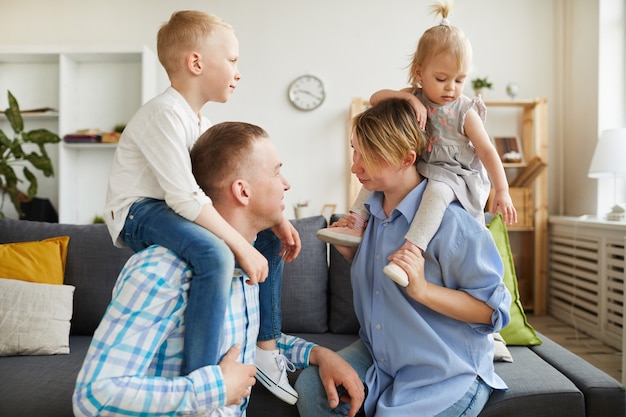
{"points": [[500, 351], [34, 318]]}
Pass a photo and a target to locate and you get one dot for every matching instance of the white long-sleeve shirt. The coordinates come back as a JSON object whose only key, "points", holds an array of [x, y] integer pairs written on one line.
{"points": [[152, 161]]}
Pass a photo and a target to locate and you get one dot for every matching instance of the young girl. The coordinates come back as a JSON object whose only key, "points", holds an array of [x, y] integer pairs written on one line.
{"points": [[459, 148]]}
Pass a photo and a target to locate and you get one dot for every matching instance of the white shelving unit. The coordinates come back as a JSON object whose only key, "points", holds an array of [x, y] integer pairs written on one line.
{"points": [[90, 88]]}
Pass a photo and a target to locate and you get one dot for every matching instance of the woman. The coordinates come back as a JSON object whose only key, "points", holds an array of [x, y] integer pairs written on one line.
{"points": [[426, 349]]}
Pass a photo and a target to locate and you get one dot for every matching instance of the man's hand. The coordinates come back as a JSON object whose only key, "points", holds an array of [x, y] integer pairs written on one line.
{"points": [[290, 239], [335, 371], [238, 378]]}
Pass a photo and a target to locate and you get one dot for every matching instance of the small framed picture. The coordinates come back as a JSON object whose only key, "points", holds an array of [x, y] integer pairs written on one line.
{"points": [[509, 149]]}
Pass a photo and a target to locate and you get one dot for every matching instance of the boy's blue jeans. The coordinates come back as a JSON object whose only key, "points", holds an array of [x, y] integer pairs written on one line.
{"points": [[151, 221]]}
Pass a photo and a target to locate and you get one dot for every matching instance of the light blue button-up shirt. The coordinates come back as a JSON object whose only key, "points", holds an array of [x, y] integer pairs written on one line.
{"points": [[424, 361]]}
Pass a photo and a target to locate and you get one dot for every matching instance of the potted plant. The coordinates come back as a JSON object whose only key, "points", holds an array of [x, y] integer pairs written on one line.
{"points": [[479, 84], [13, 155]]}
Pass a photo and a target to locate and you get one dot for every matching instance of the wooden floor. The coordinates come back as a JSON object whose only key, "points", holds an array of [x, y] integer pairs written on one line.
{"points": [[593, 351]]}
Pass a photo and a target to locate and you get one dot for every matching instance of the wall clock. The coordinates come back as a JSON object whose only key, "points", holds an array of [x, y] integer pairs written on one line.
{"points": [[306, 92]]}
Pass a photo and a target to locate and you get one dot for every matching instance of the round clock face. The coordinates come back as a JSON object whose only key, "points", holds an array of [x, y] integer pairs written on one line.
{"points": [[307, 92]]}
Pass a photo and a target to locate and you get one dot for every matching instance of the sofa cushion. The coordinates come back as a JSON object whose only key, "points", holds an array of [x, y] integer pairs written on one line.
{"points": [[40, 261], [35, 318], [305, 282], [92, 265], [41, 386]]}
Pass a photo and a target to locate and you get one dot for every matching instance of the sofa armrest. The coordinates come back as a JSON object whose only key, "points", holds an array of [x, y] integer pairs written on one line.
{"points": [[604, 395]]}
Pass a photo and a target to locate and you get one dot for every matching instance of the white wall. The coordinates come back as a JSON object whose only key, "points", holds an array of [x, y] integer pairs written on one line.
{"points": [[356, 47]]}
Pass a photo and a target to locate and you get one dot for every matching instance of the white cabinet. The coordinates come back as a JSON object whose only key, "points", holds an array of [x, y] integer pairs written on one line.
{"points": [[89, 88], [587, 276]]}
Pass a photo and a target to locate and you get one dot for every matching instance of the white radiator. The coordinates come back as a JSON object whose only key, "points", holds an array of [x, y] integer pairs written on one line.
{"points": [[586, 276]]}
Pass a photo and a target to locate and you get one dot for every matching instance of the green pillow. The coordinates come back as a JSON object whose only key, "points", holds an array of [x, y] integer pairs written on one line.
{"points": [[518, 331]]}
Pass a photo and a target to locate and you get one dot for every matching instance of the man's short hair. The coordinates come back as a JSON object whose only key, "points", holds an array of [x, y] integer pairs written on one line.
{"points": [[222, 154]]}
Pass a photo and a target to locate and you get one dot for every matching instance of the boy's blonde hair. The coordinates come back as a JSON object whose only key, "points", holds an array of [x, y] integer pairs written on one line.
{"points": [[441, 38], [387, 133], [184, 32]]}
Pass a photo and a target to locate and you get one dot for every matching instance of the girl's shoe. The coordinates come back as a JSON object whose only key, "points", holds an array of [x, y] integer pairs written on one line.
{"points": [[393, 271], [341, 236]]}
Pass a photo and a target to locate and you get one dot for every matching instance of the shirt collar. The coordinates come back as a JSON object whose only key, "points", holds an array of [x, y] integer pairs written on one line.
{"points": [[407, 207]]}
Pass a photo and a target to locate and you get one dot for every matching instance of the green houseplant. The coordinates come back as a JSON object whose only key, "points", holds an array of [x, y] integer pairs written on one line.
{"points": [[13, 155], [479, 84]]}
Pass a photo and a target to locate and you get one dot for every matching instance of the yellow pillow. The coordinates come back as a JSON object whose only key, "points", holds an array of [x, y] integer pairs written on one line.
{"points": [[42, 261]]}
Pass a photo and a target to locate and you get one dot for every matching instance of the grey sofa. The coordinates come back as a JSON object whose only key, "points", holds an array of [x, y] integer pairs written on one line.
{"points": [[544, 380]]}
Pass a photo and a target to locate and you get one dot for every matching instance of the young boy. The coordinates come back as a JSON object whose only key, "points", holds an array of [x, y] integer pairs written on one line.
{"points": [[153, 197]]}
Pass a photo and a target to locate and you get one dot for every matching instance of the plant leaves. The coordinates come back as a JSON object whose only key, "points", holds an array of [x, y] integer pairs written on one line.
{"points": [[4, 139], [40, 136], [32, 187], [14, 115], [42, 163]]}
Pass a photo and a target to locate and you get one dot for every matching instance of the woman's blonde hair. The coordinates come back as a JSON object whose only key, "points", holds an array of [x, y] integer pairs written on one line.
{"points": [[443, 38], [184, 32], [387, 132]]}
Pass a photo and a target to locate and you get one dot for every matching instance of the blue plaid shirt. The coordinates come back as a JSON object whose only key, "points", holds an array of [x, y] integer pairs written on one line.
{"points": [[133, 366]]}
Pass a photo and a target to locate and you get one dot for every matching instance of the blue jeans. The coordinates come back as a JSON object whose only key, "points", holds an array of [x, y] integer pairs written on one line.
{"points": [[312, 401], [150, 222]]}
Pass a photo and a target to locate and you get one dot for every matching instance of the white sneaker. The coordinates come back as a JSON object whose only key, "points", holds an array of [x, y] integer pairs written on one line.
{"points": [[272, 374], [397, 274], [342, 236]]}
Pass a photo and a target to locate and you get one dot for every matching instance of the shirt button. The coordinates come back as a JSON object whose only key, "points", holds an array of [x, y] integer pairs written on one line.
{"points": [[378, 326], [377, 292]]}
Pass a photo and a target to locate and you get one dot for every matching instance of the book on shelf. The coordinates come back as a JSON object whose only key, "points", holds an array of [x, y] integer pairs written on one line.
{"points": [[81, 138], [532, 170]]}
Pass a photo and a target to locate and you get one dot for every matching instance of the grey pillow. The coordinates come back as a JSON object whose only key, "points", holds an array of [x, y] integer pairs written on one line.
{"points": [[342, 316], [305, 282]]}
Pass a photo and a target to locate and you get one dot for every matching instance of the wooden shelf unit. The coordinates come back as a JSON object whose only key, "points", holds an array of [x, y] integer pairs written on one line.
{"points": [[530, 236]]}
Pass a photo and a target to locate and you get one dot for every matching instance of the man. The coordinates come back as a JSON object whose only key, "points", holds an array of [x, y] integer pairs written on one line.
{"points": [[133, 366]]}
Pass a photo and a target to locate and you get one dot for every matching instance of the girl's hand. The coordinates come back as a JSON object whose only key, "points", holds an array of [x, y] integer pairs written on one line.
{"points": [[420, 110], [503, 203]]}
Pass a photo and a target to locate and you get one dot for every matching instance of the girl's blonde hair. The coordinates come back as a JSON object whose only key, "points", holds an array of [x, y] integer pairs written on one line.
{"points": [[387, 132], [442, 38], [184, 32]]}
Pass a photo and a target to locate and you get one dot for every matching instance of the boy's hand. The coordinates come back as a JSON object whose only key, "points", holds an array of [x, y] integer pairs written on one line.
{"points": [[290, 238], [253, 263], [238, 378]]}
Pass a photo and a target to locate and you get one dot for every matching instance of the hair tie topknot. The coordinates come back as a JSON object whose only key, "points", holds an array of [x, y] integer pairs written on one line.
{"points": [[444, 22]]}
